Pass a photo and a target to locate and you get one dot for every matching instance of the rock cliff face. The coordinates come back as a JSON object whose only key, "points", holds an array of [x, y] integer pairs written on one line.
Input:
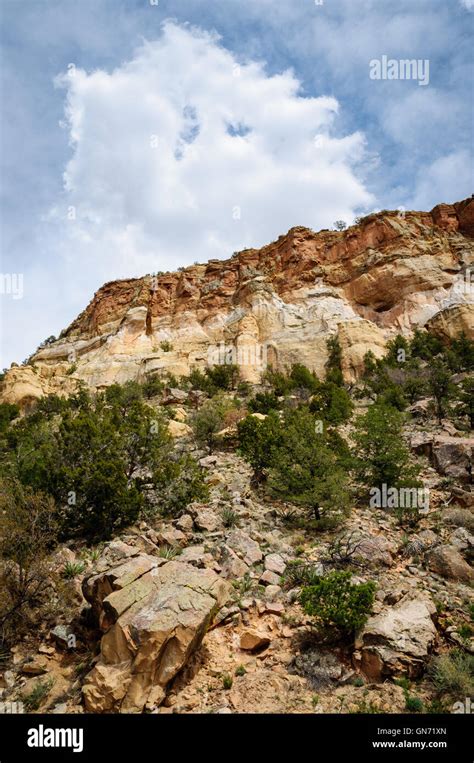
{"points": [[275, 305]]}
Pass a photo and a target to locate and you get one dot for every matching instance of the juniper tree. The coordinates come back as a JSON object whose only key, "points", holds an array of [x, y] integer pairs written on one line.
{"points": [[305, 471], [381, 456]]}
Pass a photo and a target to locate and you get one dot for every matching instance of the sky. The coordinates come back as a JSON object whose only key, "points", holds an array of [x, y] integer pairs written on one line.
{"points": [[143, 135]]}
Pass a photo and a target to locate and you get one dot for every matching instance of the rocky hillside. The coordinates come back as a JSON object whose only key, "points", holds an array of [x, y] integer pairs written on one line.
{"points": [[196, 614], [294, 535], [391, 272]]}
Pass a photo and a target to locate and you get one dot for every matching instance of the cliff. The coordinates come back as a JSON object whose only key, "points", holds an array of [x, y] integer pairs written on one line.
{"points": [[390, 273]]}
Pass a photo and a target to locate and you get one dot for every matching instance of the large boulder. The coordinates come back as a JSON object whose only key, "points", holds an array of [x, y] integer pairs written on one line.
{"points": [[448, 562], [453, 457], [154, 615], [179, 429], [398, 640]]}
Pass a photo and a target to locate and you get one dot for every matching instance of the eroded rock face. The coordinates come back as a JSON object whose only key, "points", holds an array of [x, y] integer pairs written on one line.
{"points": [[397, 640], [154, 615], [276, 305]]}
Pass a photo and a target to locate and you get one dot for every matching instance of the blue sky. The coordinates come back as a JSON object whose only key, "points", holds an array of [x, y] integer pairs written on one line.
{"points": [[139, 137]]}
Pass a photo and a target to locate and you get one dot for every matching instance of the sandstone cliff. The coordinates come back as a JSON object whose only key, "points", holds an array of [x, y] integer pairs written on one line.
{"points": [[276, 305]]}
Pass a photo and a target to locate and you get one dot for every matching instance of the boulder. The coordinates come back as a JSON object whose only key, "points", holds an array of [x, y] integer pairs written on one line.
{"points": [[195, 555], [452, 321], [36, 666], [462, 497], [180, 414], [185, 524], [397, 640], [422, 443], [453, 457], [420, 409], [152, 623], [174, 396], [448, 562], [196, 397], [231, 565], [251, 640], [459, 518], [245, 546], [275, 563], [269, 578], [376, 549], [171, 536], [205, 518], [462, 540], [179, 429]]}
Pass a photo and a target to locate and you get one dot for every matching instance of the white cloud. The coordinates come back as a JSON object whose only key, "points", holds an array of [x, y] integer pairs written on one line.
{"points": [[182, 154], [469, 4]]}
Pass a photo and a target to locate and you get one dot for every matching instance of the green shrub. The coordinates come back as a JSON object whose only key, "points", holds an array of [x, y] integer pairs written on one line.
{"points": [[453, 673], [263, 402], [28, 533], [208, 421], [152, 387], [332, 403], [169, 552], [178, 482], [413, 704], [280, 382], [72, 569], [460, 355], [257, 441], [298, 573], [229, 517], [302, 378], [100, 458], [334, 601], [166, 346], [8, 412], [35, 698], [244, 388], [440, 387], [425, 345], [333, 364], [198, 380], [223, 377], [217, 378]]}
